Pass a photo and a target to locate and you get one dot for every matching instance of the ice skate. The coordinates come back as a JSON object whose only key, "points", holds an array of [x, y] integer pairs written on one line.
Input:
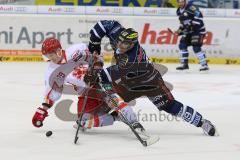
{"points": [[208, 128], [182, 67], [204, 68]]}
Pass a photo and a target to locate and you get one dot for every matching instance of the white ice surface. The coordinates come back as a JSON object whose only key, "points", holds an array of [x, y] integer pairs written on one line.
{"points": [[216, 95]]}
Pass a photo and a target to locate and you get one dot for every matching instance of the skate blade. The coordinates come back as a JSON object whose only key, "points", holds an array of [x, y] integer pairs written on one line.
{"points": [[204, 72], [186, 71], [216, 133]]}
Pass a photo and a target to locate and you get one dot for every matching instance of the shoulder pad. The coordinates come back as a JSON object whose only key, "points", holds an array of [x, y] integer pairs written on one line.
{"points": [[177, 11]]}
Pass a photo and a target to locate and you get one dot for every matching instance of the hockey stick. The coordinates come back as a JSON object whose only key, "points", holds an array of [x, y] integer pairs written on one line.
{"points": [[176, 34], [145, 143], [169, 30], [172, 32], [84, 103], [81, 113]]}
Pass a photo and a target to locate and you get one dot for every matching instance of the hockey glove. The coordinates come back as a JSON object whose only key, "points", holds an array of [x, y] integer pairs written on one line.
{"points": [[96, 65], [121, 59], [94, 47], [39, 117], [90, 78]]}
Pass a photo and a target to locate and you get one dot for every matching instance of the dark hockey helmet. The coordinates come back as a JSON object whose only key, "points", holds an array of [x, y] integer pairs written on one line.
{"points": [[128, 37]]}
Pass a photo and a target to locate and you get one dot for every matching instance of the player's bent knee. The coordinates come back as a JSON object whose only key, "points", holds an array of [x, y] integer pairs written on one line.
{"points": [[182, 46], [197, 48], [91, 104], [162, 102]]}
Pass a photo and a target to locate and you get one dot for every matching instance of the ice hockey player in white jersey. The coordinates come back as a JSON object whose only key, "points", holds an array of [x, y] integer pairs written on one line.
{"points": [[69, 66]]}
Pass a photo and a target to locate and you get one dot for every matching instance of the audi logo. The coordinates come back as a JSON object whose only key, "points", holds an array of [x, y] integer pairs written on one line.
{"points": [[20, 9], [69, 9]]}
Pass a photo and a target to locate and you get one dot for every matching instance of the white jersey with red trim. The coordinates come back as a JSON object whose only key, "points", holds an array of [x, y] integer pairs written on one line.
{"points": [[70, 71]]}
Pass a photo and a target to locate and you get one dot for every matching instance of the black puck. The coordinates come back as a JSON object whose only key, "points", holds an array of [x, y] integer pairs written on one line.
{"points": [[48, 133]]}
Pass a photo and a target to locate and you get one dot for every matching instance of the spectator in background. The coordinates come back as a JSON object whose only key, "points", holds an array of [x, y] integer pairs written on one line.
{"points": [[17, 2], [174, 4], [199, 3], [215, 3], [6, 1], [235, 4], [170, 3]]}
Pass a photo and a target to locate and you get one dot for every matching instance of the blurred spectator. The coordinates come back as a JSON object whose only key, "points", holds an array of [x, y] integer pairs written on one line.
{"points": [[6, 1], [18, 2], [206, 3], [173, 3], [199, 3], [224, 4], [165, 3], [170, 3]]}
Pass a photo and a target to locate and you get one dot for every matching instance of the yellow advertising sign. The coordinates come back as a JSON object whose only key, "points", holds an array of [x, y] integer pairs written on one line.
{"points": [[130, 3], [196, 61], [45, 2], [21, 59], [109, 59], [172, 3]]}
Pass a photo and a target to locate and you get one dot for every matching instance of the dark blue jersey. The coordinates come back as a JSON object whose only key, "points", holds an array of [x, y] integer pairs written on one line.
{"points": [[112, 29], [109, 28], [191, 20]]}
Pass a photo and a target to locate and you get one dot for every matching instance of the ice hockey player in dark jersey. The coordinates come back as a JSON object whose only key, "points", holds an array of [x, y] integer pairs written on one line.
{"points": [[134, 76], [192, 30]]}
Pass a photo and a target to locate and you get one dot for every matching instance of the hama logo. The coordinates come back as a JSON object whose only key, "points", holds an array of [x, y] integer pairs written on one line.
{"points": [[165, 37], [77, 55]]}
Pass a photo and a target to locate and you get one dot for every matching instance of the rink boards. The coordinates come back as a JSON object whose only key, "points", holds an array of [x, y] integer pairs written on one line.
{"points": [[21, 36]]}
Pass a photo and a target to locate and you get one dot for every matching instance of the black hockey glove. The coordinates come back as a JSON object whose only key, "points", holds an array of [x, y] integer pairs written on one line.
{"points": [[94, 47], [121, 59], [95, 67], [91, 79]]}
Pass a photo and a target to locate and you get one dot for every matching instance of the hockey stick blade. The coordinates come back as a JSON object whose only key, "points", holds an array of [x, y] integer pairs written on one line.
{"points": [[76, 134], [151, 140], [146, 139], [75, 140]]}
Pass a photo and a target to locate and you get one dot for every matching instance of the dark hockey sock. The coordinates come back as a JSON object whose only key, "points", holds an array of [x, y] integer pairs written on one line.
{"points": [[187, 113], [184, 56]]}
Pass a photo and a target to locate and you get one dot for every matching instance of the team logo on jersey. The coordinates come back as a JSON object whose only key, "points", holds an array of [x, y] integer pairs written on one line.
{"points": [[77, 55], [193, 8], [115, 30], [185, 14]]}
